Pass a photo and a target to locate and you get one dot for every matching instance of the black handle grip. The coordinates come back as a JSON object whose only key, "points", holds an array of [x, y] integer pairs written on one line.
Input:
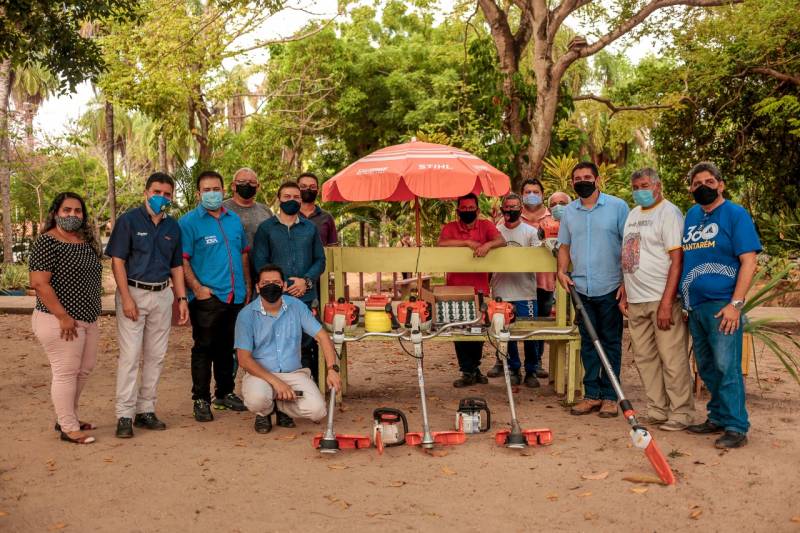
{"points": [[376, 415], [578, 303], [395, 323]]}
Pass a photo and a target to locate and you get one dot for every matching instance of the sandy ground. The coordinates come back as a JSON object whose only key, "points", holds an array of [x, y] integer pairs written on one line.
{"points": [[224, 477]]}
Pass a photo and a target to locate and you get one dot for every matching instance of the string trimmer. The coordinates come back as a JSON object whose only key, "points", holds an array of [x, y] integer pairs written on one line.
{"points": [[330, 442], [642, 438]]}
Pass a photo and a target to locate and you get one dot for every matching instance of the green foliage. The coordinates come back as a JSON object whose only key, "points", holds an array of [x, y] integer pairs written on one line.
{"points": [[49, 33], [13, 276]]}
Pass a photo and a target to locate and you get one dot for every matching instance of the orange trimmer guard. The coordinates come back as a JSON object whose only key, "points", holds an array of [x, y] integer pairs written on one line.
{"points": [[347, 442], [534, 437], [446, 438]]}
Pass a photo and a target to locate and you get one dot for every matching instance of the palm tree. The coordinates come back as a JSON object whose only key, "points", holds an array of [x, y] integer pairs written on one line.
{"points": [[31, 86], [6, 76]]}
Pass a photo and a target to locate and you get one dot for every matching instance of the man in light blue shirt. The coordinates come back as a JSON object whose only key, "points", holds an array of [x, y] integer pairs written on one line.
{"points": [[590, 237], [268, 336]]}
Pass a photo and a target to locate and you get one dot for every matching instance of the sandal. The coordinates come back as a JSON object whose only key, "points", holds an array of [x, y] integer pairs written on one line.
{"points": [[85, 426], [80, 440]]}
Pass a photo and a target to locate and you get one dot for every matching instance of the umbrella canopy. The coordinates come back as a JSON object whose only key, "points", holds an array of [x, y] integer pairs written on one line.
{"points": [[415, 170]]}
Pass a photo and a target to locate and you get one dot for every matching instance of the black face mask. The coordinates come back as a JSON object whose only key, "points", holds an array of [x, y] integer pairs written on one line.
{"points": [[271, 292], [512, 214], [308, 196], [290, 207], [705, 195], [467, 217], [585, 188], [245, 190]]}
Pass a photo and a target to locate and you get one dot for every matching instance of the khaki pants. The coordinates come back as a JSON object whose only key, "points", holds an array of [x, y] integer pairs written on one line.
{"points": [[662, 358], [258, 396], [145, 339], [71, 362]]}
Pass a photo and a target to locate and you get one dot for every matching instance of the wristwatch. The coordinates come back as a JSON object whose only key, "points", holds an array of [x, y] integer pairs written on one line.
{"points": [[334, 368], [737, 304], [309, 283], [183, 299]]}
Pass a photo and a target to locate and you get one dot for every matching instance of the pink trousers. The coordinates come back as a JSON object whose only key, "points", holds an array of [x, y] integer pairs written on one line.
{"points": [[70, 363]]}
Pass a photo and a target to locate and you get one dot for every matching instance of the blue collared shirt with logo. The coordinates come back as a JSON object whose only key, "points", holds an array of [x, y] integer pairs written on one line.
{"points": [[594, 237], [274, 340], [149, 250], [214, 248]]}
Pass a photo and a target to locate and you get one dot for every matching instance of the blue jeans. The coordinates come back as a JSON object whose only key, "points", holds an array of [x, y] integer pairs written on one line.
{"points": [[544, 304], [607, 320], [524, 309], [719, 360]]}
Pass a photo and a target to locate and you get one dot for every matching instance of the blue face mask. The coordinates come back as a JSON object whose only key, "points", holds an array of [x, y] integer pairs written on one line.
{"points": [[557, 211], [532, 199], [644, 197], [211, 200], [158, 203]]}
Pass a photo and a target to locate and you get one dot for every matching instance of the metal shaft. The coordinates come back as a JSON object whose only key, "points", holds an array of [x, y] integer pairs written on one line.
{"points": [[507, 374], [329, 434], [427, 438]]}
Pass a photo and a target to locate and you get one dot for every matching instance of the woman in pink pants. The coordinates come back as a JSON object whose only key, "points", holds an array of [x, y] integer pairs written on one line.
{"points": [[65, 272]]}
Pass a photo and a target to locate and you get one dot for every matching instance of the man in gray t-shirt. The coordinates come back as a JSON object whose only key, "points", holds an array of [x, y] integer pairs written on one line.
{"points": [[243, 202]]}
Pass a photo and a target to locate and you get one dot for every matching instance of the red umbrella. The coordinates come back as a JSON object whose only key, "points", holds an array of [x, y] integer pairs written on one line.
{"points": [[414, 170]]}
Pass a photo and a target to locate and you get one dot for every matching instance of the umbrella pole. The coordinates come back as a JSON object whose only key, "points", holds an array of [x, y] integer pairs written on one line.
{"points": [[419, 243]]}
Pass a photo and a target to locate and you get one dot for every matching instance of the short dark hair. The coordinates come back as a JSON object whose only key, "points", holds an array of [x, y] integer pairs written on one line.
{"points": [[287, 185], [271, 267], [531, 181], [586, 164], [705, 166], [308, 175], [468, 196], [159, 177], [209, 174]]}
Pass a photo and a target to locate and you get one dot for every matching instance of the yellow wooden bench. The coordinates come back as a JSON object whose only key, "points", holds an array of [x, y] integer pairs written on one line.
{"points": [[566, 370]]}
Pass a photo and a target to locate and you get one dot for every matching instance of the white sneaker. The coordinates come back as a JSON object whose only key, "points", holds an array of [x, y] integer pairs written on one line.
{"points": [[673, 425]]}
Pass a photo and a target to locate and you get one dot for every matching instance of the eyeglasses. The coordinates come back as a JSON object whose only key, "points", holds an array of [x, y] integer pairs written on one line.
{"points": [[253, 183], [308, 188]]}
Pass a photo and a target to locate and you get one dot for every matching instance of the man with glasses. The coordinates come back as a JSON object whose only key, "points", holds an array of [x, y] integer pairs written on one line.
{"points": [[480, 235], [243, 202], [590, 237], [309, 190]]}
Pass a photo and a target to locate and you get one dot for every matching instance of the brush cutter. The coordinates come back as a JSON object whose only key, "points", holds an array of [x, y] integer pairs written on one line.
{"points": [[330, 442], [389, 428], [641, 438], [499, 316]]}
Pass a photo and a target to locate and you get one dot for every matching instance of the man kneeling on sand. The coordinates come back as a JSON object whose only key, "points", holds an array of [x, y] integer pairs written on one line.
{"points": [[268, 336]]}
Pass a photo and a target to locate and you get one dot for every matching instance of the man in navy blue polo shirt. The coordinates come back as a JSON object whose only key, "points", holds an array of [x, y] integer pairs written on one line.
{"points": [[216, 266], [145, 251], [293, 243], [720, 244], [268, 333]]}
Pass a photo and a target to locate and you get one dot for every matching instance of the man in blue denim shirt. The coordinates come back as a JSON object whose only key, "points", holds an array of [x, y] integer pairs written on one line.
{"points": [[268, 333], [292, 242], [591, 238], [720, 244]]}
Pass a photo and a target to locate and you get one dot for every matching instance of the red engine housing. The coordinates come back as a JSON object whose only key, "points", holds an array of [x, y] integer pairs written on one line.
{"points": [[406, 309], [341, 307], [498, 306]]}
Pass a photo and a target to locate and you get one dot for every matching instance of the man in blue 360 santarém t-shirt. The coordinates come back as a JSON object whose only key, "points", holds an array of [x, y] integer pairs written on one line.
{"points": [[720, 244]]}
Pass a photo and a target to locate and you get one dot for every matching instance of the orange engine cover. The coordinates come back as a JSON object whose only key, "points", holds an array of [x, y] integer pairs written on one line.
{"points": [[498, 306], [341, 307], [406, 309]]}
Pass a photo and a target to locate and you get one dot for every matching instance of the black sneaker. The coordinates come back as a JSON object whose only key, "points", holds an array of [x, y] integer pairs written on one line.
{"points": [[706, 428], [496, 371], [148, 421], [542, 373], [467, 379], [124, 428], [263, 424], [230, 401], [202, 411], [532, 381], [731, 439], [516, 377], [283, 420], [480, 378]]}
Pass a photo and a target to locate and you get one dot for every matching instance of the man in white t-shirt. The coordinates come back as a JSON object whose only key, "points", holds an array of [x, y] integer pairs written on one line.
{"points": [[651, 265], [518, 288]]}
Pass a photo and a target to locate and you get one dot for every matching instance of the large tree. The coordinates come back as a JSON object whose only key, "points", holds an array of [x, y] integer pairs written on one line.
{"points": [[536, 24]]}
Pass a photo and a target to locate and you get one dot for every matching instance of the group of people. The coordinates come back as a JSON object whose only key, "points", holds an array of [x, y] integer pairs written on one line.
{"points": [[248, 279]]}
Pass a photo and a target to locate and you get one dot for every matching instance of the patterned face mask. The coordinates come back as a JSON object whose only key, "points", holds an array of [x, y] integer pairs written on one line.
{"points": [[69, 223]]}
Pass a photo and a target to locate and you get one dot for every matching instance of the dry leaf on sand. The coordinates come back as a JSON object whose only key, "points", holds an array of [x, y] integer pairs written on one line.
{"points": [[552, 496], [643, 479], [796, 519], [397, 483], [337, 467], [639, 490], [584, 494], [595, 476], [447, 471], [57, 526], [286, 437], [695, 514]]}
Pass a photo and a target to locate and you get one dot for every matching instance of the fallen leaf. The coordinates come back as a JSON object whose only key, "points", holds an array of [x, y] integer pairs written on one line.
{"points": [[596, 476], [240, 445], [397, 483], [286, 437], [57, 526], [643, 479], [203, 461], [590, 516], [331, 498], [437, 453], [584, 494], [447, 471], [375, 515], [796, 519], [108, 459], [338, 467], [552, 496], [344, 505], [694, 515], [639, 490], [3, 513]]}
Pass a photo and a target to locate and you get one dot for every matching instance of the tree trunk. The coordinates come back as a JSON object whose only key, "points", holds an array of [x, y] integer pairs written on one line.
{"points": [[112, 186], [162, 152], [29, 111], [5, 162]]}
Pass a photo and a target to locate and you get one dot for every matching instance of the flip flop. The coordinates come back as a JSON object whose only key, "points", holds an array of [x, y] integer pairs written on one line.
{"points": [[79, 440], [85, 426]]}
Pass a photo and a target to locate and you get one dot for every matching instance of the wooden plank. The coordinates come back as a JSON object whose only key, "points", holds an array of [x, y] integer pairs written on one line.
{"points": [[372, 260]]}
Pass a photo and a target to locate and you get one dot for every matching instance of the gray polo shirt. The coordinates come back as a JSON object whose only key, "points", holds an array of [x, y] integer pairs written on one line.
{"points": [[251, 217]]}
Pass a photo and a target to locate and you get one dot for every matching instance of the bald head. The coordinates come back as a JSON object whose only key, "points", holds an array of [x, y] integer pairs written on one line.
{"points": [[557, 198], [245, 174]]}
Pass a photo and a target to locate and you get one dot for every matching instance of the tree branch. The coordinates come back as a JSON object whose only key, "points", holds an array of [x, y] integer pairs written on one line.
{"points": [[618, 108], [795, 80]]}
